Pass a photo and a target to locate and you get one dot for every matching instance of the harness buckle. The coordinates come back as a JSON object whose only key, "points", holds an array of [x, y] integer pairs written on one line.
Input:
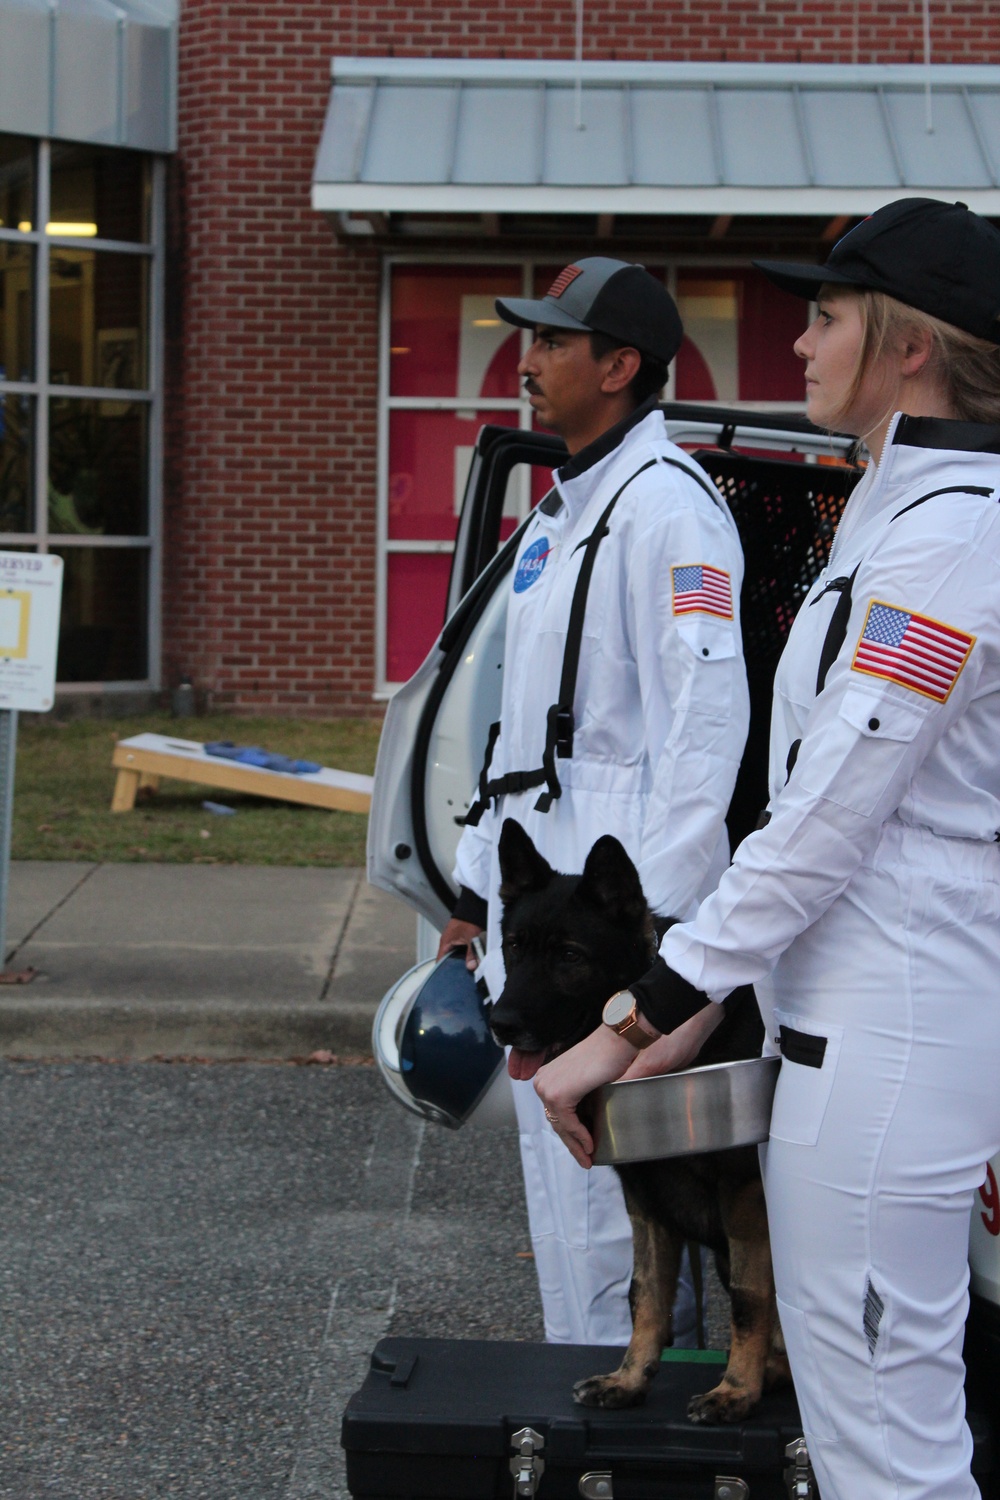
{"points": [[561, 727]]}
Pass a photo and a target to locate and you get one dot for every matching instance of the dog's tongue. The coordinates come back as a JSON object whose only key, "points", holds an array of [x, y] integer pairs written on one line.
{"points": [[524, 1064]]}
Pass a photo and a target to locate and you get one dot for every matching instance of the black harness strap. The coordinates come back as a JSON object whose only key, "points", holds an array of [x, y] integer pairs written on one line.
{"points": [[975, 489], [705, 483], [559, 721], [836, 631], [484, 783]]}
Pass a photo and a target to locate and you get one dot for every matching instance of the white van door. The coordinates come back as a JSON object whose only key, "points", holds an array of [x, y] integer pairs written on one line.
{"points": [[436, 726]]}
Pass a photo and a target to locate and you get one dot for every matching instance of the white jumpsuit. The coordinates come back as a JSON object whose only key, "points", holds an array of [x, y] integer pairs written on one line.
{"points": [[661, 717], [868, 913]]}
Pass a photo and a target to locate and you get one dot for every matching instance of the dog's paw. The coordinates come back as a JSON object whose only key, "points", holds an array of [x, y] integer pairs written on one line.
{"points": [[607, 1391], [724, 1404]]}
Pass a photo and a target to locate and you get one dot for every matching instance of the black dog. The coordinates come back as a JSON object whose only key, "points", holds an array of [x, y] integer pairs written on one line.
{"points": [[569, 942]]}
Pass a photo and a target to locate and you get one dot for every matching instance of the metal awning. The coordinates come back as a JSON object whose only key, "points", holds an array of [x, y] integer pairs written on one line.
{"points": [[461, 136], [90, 70]]}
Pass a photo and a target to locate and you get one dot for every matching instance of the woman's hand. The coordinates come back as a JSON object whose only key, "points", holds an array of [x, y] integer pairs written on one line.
{"points": [[561, 1084], [679, 1048]]}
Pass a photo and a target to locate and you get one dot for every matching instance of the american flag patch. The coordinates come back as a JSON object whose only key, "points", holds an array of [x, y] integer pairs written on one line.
{"points": [[699, 589], [563, 280], [916, 652]]}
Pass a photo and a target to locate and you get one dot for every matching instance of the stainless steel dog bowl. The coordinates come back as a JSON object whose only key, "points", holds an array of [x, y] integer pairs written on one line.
{"points": [[683, 1114]]}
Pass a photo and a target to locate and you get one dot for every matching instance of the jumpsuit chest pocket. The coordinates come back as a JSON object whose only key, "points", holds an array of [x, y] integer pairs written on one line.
{"points": [[810, 1051]]}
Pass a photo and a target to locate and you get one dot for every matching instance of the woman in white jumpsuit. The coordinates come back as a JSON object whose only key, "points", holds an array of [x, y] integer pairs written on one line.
{"points": [[867, 910]]}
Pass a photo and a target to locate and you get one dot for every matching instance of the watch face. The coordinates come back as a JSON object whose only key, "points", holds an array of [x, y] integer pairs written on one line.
{"points": [[619, 1008]]}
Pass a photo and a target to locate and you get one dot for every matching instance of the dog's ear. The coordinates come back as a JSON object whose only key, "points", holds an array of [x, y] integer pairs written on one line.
{"points": [[610, 882], [522, 868]]}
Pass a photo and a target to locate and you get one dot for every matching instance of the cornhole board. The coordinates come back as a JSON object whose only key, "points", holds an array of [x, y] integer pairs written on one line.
{"points": [[143, 759]]}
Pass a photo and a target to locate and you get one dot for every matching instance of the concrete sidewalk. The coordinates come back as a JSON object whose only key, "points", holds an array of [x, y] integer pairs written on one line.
{"points": [[223, 961]]}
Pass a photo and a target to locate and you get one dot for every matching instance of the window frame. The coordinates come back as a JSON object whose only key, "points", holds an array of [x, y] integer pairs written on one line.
{"points": [[41, 391], [669, 264]]}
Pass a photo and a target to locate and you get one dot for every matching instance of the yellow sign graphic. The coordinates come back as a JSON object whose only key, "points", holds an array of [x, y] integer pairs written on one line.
{"points": [[15, 614]]}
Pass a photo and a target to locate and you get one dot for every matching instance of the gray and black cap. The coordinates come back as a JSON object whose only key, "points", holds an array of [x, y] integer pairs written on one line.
{"points": [[600, 295], [940, 258]]}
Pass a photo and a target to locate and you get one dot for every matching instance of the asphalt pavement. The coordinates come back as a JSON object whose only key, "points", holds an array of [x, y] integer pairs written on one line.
{"points": [[220, 961], [196, 1262]]}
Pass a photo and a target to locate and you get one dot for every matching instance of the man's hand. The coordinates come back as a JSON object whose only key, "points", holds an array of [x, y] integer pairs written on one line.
{"points": [[561, 1084], [460, 935], [678, 1049]]}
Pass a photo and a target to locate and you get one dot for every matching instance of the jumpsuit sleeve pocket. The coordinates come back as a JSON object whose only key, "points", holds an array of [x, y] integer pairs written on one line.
{"points": [[713, 660], [707, 639], [861, 750], [809, 1054], [876, 717]]}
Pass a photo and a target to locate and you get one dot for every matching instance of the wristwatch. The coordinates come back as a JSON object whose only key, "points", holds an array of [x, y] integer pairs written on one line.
{"points": [[621, 1013]]}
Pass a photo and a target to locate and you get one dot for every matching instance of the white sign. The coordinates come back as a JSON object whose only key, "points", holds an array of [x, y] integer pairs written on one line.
{"points": [[30, 595]]}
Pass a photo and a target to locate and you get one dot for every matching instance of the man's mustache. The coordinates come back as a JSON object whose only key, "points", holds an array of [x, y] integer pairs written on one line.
{"points": [[531, 387]]}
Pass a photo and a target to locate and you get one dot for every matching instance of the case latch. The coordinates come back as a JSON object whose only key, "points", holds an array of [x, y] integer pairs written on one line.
{"points": [[800, 1480], [526, 1466], [596, 1485], [728, 1488]]}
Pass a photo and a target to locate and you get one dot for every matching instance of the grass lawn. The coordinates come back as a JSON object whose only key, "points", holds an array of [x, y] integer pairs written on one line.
{"points": [[62, 795]]}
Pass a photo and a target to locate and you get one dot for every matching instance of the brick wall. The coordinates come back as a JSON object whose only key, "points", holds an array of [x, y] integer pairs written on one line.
{"points": [[869, 31], [269, 508], [272, 324]]}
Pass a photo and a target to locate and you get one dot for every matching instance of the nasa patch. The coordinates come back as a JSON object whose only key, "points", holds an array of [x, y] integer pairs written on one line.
{"points": [[532, 564]]}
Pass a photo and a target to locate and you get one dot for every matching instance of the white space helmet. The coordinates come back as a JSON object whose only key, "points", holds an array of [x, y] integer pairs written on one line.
{"points": [[435, 1050]]}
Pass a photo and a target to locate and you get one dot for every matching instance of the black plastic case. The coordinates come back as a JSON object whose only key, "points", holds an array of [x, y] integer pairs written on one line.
{"points": [[444, 1419], [436, 1418]]}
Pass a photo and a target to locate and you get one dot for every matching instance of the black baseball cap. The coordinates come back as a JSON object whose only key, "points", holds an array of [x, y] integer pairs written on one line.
{"points": [[600, 295], [938, 257]]}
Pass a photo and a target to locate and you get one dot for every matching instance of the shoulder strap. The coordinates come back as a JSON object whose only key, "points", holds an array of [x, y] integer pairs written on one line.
{"points": [[574, 635], [559, 722], [706, 484], [836, 631]]}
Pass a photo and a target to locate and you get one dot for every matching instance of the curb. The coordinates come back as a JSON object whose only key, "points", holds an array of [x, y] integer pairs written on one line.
{"points": [[137, 1031]]}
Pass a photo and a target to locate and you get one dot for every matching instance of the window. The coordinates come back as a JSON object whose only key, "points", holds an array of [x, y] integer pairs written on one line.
{"points": [[449, 365], [79, 399], [739, 330]]}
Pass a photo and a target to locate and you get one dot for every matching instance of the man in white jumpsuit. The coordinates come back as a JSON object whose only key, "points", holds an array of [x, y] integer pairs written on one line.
{"points": [[660, 710]]}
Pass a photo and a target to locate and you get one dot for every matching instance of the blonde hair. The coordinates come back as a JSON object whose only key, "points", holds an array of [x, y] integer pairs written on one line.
{"points": [[967, 368]]}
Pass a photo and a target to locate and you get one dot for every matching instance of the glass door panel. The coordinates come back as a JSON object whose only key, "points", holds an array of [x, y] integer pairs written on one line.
{"points": [[16, 306], [445, 338], [98, 467], [429, 457], [102, 629], [16, 447]]}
